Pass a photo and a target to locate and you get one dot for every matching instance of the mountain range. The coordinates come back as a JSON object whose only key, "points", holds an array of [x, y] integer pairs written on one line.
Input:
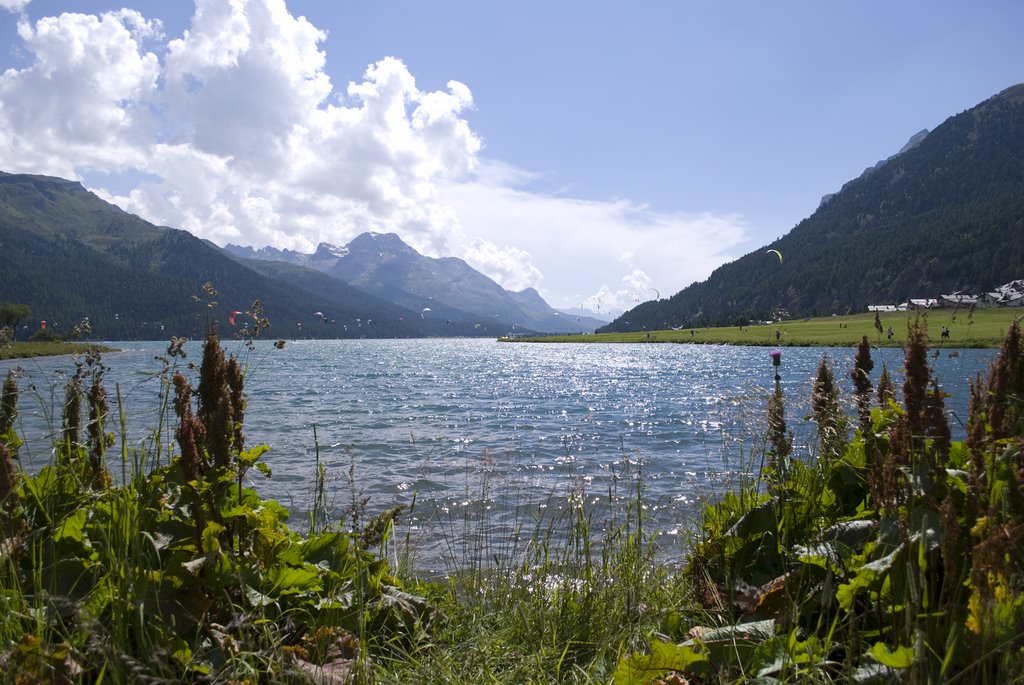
{"points": [[381, 264], [70, 256], [945, 214]]}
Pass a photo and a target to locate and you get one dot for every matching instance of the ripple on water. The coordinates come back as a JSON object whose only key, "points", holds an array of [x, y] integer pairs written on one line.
{"points": [[491, 433]]}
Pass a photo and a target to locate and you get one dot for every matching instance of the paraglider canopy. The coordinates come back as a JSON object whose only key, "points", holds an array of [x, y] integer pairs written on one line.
{"points": [[777, 254]]}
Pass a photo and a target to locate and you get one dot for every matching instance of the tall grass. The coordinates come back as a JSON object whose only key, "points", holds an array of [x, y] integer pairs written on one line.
{"points": [[894, 555], [559, 597], [177, 571], [882, 551]]}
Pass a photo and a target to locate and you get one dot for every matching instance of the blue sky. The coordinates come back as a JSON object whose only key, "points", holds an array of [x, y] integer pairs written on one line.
{"points": [[601, 152]]}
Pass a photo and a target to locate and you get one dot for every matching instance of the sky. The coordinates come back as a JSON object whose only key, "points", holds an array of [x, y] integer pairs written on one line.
{"points": [[604, 153]]}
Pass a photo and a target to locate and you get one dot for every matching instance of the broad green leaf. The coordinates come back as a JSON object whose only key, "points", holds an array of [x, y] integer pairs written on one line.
{"points": [[755, 631], [342, 600], [902, 657], [211, 536], [760, 519], [237, 511], [957, 479], [11, 439], [180, 651], [664, 657], [959, 455], [317, 549], [884, 564], [734, 644], [823, 555], [252, 455], [864, 579], [72, 528], [257, 598], [290, 580], [852, 533], [223, 571]]}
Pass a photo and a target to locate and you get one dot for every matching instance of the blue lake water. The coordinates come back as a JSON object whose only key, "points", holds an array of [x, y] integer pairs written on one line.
{"points": [[486, 436]]}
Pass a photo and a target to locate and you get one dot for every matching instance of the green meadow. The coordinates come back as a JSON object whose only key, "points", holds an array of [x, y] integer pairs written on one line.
{"points": [[980, 328]]}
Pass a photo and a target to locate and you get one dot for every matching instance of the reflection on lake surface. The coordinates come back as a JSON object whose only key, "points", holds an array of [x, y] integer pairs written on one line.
{"points": [[483, 435]]}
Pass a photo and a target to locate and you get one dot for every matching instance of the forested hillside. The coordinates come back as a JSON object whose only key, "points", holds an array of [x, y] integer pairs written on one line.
{"points": [[943, 216], [69, 255]]}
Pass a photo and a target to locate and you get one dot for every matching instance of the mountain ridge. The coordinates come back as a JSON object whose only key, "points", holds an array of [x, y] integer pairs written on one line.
{"points": [[913, 142], [945, 215], [69, 255], [383, 265]]}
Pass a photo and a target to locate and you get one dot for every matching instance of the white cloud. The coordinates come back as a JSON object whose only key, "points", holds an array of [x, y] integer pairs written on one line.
{"points": [[509, 266], [234, 132], [243, 79], [14, 5], [604, 255], [239, 133], [636, 287], [82, 103]]}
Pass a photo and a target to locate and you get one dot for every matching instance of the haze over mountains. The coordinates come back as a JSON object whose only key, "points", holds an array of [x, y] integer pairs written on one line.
{"points": [[383, 265], [945, 214]]}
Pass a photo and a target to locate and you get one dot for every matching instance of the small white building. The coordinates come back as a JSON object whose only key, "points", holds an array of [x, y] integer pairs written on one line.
{"points": [[959, 299], [1007, 295]]}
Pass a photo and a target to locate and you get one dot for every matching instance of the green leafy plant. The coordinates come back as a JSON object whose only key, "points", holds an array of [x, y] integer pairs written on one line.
{"points": [[892, 554], [180, 572]]}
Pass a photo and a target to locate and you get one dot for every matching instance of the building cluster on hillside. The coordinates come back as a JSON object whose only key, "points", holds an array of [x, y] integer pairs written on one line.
{"points": [[1007, 295]]}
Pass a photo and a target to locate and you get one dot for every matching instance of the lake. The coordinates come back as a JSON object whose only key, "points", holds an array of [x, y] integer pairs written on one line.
{"points": [[488, 436]]}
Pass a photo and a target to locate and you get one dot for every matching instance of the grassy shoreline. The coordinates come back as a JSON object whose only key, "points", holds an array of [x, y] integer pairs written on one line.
{"points": [[981, 328], [50, 348], [884, 553]]}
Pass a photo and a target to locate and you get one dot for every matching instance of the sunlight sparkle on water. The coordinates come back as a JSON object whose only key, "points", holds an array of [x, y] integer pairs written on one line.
{"points": [[445, 421]]}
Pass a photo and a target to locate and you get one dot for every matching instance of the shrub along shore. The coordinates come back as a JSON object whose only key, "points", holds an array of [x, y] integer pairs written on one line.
{"points": [[49, 348], [883, 552]]}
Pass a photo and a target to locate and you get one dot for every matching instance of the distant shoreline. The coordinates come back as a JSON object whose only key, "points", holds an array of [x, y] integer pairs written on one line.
{"points": [[28, 350], [983, 328]]}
